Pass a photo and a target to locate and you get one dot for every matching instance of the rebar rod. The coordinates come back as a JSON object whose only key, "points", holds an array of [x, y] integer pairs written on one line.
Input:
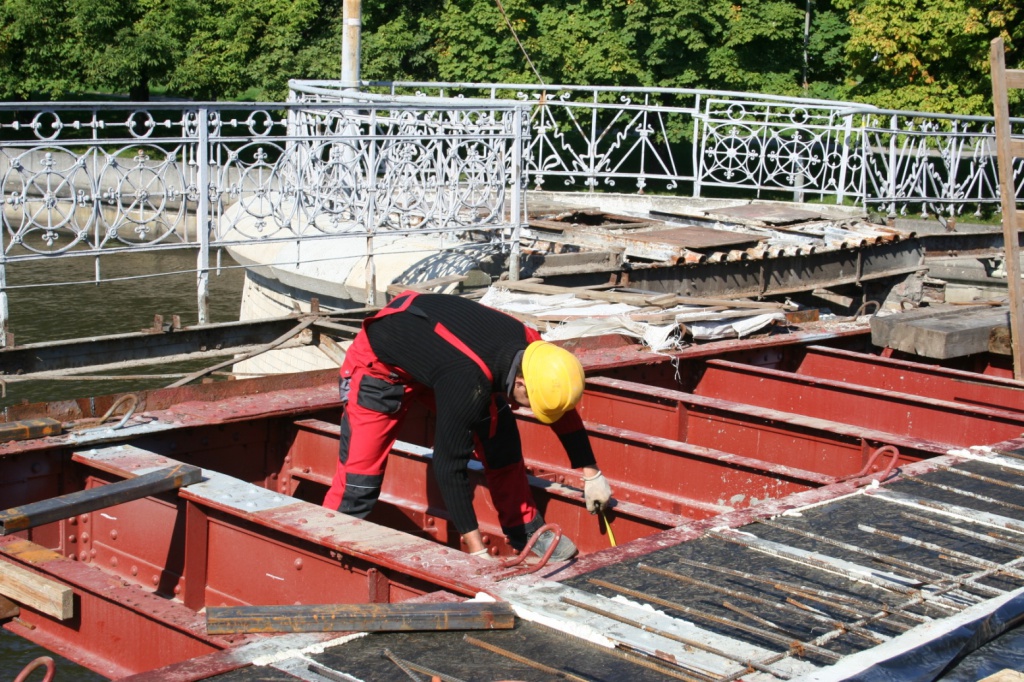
{"points": [[725, 622], [962, 556], [881, 609], [677, 638], [512, 656], [823, 565], [965, 493], [739, 594], [982, 537], [403, 664], [916, 571], [980, 477]]}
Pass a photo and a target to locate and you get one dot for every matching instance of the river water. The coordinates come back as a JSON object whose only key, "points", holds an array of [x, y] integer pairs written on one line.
{"points": [[87, 309]]}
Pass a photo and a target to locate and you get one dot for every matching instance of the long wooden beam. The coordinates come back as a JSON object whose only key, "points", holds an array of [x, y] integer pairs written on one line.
{"points": [[84, 501], [360, 617]]}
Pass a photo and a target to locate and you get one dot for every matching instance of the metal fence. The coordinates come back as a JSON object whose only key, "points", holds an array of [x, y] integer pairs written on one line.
{"points": [[95, 180], [92, 180], [703, 142]]}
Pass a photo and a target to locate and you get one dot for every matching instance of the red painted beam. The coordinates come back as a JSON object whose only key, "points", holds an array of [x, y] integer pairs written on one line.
{"points": [[891, 411], [912, 377]]}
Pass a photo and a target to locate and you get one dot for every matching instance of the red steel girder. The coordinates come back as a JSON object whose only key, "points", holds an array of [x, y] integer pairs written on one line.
{"points": [[891, 411], [933, 381]]}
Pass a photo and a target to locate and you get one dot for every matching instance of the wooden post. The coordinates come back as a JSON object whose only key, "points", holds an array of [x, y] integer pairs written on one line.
{"points": [[84, 501], [1006, 149], [360, 617]]}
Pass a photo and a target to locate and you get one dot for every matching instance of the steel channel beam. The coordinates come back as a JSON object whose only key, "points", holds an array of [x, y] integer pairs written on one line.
{"points": [[418, 509], [116, 624], [911, 377], [900, 413], [828, 447]]}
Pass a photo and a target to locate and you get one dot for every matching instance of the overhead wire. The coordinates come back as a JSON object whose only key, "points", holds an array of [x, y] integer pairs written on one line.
{"points": [[504, 15]]}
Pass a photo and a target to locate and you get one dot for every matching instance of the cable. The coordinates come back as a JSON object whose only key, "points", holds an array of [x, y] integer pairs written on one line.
{"points": [[529, 61]]}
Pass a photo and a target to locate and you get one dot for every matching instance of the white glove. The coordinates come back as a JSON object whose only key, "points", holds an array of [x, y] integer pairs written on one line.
{"points": [[483, 554], [596, 492]]}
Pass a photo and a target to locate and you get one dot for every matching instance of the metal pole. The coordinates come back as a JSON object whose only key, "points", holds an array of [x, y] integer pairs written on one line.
{"points": [[350, 38], [204, 221], [4, 312], [516, 210]]}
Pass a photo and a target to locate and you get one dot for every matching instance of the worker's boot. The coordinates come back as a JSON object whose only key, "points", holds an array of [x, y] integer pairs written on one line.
{"points": [[518, 537]]}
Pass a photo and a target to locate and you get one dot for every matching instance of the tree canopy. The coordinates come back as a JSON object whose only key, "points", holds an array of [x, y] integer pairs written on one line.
{"points": [[930, 55]]}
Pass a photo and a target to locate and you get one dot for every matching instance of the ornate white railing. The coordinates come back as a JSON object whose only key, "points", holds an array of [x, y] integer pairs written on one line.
{"points": [[99, 179], [93, 180], [700, 141]]}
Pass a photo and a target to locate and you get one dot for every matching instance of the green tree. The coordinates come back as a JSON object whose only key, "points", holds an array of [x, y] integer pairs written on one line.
{"points": [[928, 55], [36, 55]]}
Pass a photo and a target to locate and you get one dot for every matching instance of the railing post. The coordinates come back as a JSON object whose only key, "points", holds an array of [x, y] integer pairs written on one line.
{"points": [[844, 159], [371, 207], [516, 209], [891, 179], [204, 219], [698, 148], [4, 312]]}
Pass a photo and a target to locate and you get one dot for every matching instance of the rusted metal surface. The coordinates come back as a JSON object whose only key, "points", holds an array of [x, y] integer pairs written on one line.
{"points": [[359, 617], [681, 462], [913, 377], [85, 501]]}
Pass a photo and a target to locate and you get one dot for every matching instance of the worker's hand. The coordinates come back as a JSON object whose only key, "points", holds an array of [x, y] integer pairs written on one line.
{"points": [[484, 554], [596, 492]]}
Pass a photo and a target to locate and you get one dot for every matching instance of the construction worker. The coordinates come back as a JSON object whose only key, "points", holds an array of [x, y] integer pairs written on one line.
{"points": [[471, 361]]}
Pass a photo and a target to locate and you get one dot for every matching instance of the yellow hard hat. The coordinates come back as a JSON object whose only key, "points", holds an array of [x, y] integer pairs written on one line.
{"points": [[554, 380]]}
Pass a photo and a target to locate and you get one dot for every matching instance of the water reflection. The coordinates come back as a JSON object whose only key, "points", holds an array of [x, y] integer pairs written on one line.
{"points": [[83, 309]]}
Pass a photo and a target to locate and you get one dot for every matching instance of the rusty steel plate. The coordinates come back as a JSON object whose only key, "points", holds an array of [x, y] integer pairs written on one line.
{"points": [[770, 215], [698, 238]]}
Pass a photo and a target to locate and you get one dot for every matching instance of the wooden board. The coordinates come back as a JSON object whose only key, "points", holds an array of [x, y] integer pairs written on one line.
{"points": [[28, 589], [939, 334], [765, 213]]}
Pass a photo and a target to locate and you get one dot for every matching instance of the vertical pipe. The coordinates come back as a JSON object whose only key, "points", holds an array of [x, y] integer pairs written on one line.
{"points": [[844, 160], [204, 221], [350, 39], [516, 210], [891, 180], [4, 312], [698, 148]]}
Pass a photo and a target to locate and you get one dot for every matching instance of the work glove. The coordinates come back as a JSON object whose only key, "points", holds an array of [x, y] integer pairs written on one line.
{"points": [[483, 554], [596, 492]]}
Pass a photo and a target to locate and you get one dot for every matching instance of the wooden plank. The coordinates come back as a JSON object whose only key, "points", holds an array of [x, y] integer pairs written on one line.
{"points": [[84, 501], [360, 617], [1008, 196], [950, 334], [8, 609], [36, 592], [1017, 148], [1015, 78], [27, 429]]}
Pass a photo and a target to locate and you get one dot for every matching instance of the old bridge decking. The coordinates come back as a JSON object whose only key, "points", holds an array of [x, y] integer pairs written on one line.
{"points": [[745, 515]]}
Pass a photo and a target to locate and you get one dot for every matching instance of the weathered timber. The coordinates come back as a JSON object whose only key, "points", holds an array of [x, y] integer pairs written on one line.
{"points": [[939, 334], [84, 501], [42, 594], [27, 429], [8, 609], [1006, 150], [360, 617]]}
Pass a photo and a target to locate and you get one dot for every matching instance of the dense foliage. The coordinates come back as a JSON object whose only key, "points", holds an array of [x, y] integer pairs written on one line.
{"points": [[918, 54]]}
